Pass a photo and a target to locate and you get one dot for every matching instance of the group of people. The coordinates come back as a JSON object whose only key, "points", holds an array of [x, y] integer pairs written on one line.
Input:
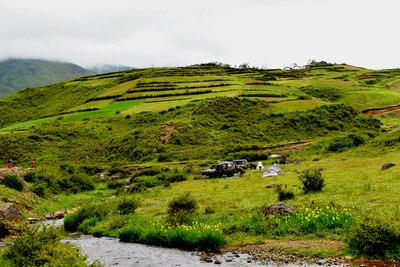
{"points": [[10, 164]]}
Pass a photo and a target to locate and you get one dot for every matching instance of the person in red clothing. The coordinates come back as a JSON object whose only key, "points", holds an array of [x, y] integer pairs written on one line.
{"points": [[9, 163], [33, 164]]}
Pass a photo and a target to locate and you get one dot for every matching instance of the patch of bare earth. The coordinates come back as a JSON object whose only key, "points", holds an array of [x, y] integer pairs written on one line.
{"points": [[169, 129], [15, 170]]}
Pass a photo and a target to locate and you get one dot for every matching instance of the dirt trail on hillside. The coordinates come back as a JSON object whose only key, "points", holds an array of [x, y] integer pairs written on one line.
{"points": [[283, 148], [379, 111]]}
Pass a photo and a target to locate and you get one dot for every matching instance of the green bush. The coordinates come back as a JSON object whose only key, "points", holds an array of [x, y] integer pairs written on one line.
{"points": [[90, 169], [114, 184], [376, 239], [67, 168], [147, 172], [172, 177], [135, 188], [312, 180], [340, 144], [77, 182], [73, 220], [181, 208], [37, 246], [284, 193], [44, 184], [40, 189], [147, 181], [13, 181], [127, 205], [176, 177], [30, 177]]}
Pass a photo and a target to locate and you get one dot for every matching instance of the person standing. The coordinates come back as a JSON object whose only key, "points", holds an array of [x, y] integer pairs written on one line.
{"points": [[33, 164], [9, 163], [260, 166]]}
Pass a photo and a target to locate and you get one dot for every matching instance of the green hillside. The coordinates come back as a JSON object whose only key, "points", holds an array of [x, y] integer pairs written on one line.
{"points": [[197, 112], [135, 91], [17, 74], [154, 129]]}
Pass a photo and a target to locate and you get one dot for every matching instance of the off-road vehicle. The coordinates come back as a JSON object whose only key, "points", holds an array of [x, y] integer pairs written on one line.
{"points": [[223, 169]]}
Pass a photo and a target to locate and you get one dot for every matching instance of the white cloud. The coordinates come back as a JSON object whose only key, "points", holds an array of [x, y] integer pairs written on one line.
{"points": [[274, 33]]}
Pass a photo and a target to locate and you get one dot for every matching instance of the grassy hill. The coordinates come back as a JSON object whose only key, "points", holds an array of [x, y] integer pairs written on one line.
{"points": [[17, 74], [196, 112], [135, 91], [147, 124]]}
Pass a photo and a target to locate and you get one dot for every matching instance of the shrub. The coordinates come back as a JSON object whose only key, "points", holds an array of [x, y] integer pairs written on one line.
{"points": [[147, 181], [114, 184], [77, 182], [95, 210], [135, 188], [375, 238], [13, 181], [90, 169], [284, 193], [176, 177], [128, 206], [147, 172], [181, 208], [67, 168], [40, 189], [172, 177], [43, 184], [30, 177], [312, 180], [37, 246]]}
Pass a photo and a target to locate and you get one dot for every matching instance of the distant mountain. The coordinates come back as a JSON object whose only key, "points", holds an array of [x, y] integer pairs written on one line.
{"points": [[5, 91], [108, 68], [17, 74]]}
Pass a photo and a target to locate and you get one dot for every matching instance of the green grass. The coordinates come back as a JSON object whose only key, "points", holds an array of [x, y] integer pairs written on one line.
{"points": [[355, 188]]}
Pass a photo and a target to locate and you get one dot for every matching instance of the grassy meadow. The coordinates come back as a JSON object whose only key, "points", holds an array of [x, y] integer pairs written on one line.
{"points": [[145, 126]]}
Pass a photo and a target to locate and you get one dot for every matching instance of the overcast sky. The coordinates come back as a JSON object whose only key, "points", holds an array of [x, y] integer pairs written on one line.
{"points": [[146, 33]]}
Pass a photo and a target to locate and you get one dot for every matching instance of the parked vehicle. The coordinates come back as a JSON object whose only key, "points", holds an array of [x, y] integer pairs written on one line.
{"points": [[223, 169], [242, 163]]}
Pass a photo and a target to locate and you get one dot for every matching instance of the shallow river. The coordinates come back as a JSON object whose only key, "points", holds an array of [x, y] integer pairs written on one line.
{"points": [[112, 252]]}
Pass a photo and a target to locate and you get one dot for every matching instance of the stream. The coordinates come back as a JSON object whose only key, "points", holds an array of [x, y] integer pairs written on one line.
{"points": [[111, 252]]}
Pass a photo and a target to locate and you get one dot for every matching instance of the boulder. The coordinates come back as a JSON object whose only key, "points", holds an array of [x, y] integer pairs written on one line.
{"points": [[387, 166], [9, 212], [282, 209], [59, 214]]}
